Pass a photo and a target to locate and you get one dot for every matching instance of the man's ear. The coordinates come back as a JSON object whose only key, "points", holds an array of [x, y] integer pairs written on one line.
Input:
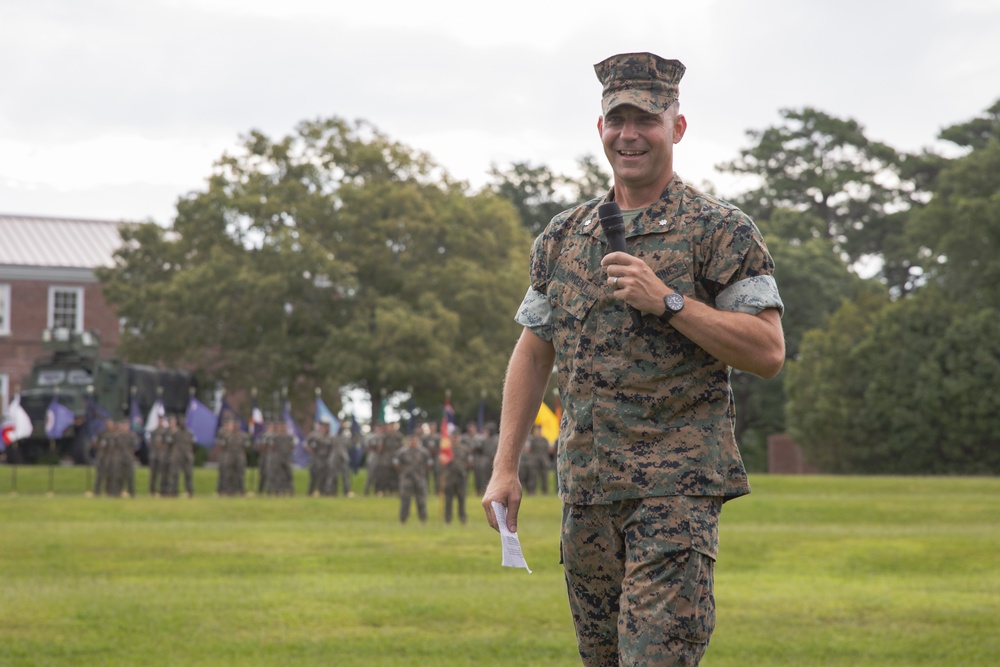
{"points": [[680, 127]]}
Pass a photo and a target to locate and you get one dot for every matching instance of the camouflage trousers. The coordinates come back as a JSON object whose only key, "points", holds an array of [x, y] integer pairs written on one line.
{"points": [[640, 579]]}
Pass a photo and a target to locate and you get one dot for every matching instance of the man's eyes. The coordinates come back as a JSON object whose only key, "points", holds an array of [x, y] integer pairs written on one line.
{"points": [[642, 120]]}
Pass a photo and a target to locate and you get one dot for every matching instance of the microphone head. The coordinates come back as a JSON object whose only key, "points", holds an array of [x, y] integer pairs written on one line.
{"points": [[610, 216]]}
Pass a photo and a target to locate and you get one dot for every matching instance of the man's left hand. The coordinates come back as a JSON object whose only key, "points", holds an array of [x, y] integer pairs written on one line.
{"points": [[634, 282]]}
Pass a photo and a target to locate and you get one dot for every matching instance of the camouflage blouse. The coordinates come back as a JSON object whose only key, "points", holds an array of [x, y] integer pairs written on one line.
{"points": [[645, 412]]}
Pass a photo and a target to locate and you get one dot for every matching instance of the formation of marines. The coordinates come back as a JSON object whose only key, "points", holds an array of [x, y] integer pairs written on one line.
{"points": [[412, 466]]}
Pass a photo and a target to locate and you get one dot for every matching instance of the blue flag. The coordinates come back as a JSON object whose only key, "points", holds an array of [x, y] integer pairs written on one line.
{"points": [[324, 414], [300, 456], [202, 422], [58, 418]]}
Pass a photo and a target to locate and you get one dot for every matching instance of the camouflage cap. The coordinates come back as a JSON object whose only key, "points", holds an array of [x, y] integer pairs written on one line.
{"points": [[644, 80]]}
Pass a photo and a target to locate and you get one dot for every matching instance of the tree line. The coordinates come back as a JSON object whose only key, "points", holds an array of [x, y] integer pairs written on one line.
{"points": [[335, 256]]}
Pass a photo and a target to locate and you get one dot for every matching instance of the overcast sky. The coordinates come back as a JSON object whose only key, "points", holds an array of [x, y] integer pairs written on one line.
{"points": [[114, 108]]}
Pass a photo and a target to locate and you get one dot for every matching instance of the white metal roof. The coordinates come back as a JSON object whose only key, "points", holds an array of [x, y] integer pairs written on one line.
{"points": [[57, 242]]}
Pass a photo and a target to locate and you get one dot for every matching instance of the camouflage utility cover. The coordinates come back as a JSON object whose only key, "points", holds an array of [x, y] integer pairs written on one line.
{"points": [[645, 413], [644, 80]]}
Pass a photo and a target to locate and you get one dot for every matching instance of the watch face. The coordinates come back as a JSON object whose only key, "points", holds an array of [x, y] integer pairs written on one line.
{"points": [[674, 301]]}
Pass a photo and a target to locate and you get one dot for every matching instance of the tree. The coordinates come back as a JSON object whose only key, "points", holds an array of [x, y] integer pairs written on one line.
{"points": [[825, 391], [959, 229], [825, 166], [905, 388], [909, 386], [332, 256], [813, 281], [539, 194], [976, 133]]}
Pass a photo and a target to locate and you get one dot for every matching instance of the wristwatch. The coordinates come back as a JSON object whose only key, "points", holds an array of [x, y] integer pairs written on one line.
{"points": [[673, 303]]}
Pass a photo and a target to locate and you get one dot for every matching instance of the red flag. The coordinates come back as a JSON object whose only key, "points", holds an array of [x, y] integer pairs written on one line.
{"points": [[445, 453], [9, 436]]}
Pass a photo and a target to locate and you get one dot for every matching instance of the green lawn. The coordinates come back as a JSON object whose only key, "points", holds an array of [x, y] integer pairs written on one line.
{"points": [[813, 570]]}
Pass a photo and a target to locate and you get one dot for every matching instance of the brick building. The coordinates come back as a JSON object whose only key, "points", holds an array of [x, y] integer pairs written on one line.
{"points": [[47, 281]]}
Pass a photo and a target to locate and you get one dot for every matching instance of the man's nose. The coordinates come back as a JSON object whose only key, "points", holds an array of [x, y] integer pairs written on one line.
{"points": [[630, 129]]}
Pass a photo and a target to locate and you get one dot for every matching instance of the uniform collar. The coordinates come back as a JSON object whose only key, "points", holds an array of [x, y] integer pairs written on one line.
{"points": [[658, 217]]}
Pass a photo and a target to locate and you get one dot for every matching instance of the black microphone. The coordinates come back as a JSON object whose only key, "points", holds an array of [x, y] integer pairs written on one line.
{"points": [[610, 216]]}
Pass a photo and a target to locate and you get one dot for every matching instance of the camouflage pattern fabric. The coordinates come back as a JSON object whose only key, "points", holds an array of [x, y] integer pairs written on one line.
{"points": [[158, 459], [232, 463], [640, 579], [645, 413], [264, 448], [413, 464], [456, 479], [280, 476], [643, 80], [181, 462], [126, 444], [104, 444], [319, 447], [340, 464]]}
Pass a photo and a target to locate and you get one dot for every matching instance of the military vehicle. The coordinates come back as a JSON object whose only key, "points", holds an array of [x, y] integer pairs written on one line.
{"points": [[72, 371]]}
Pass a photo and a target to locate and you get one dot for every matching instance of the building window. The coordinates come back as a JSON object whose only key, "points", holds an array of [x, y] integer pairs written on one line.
{"points": [[66, 308], [4, 392], [4, 310]]}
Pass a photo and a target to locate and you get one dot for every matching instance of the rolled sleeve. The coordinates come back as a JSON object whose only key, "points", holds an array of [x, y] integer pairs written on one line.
{"points": [[535, 313], [751, 295]]}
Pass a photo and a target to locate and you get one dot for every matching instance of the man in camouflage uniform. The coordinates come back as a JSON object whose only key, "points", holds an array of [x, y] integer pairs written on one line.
{"points": [[180, 458], [533, 467], [232, 446], [340, 464], [280, 476], [158, 458], [412, 462], [373, 449], [104, 447], [485, 449], [264, 446], [115, 478], [482, 461], [126, 445], [647, 453], [319, 444], [430, 441], [386, 476], [455, 476]]}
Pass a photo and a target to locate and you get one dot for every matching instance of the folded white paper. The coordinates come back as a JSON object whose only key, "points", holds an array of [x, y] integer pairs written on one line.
{"points": [[510, 545]]}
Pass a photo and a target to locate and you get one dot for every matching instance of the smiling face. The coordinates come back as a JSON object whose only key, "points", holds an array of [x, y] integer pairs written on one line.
{"points": [[640, 148]]}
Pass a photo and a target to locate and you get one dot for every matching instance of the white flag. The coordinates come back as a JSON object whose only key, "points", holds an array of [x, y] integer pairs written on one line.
{"points": [[17, 423]]}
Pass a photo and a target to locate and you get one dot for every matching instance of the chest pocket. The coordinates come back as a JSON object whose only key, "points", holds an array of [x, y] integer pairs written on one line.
{"points": [[670, 255], [572, 294]]}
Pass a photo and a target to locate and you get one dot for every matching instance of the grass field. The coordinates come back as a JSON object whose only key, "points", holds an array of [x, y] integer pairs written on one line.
{"points": [[830, 571]]}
